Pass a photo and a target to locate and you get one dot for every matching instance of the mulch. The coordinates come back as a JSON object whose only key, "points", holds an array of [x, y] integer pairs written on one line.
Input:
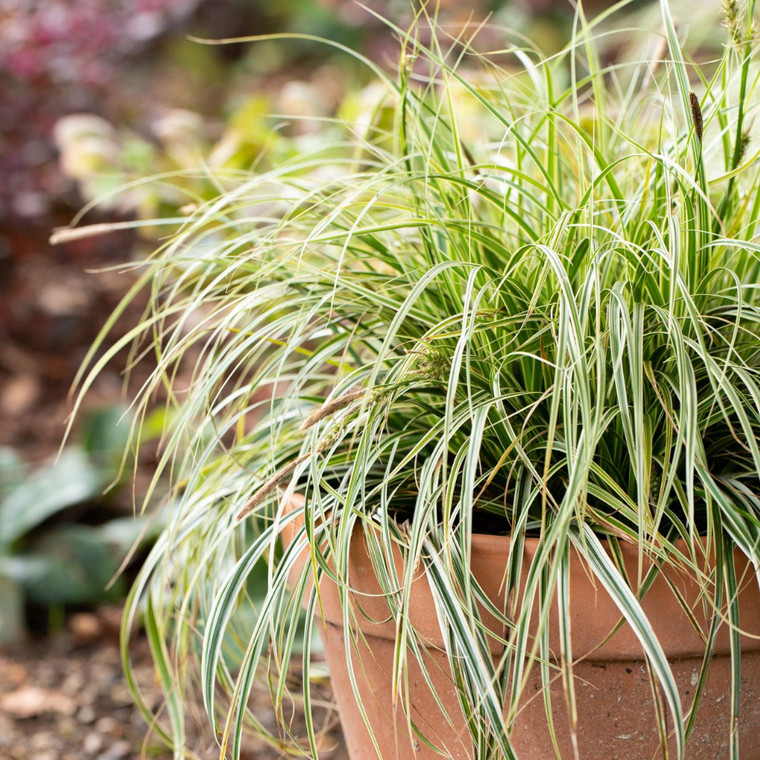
{"points": [[64, 697]]}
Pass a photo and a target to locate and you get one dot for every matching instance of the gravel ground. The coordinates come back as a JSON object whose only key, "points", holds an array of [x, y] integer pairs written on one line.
{"points": [[64, 698]]}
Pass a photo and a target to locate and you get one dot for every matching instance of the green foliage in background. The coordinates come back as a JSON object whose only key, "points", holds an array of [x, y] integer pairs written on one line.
{"points": [[47, 555]]}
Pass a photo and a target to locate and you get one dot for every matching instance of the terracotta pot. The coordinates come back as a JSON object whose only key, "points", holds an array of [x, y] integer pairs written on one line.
{"points": [[615, 707]]}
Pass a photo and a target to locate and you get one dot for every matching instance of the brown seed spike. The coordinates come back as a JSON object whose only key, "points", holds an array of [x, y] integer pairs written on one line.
{"points": [[696, 114], [333, 406]]}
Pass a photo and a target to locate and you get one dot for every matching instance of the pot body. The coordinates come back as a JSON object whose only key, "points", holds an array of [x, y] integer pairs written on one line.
{"points": [[614, 699]]}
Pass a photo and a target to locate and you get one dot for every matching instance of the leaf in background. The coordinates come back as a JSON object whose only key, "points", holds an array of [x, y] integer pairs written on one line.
{"points": [[123, 533], [76, 567], [155, 423], [11, 609], [22, 568], [12, 471], [247, 133], [72, 480], [106, 434]]}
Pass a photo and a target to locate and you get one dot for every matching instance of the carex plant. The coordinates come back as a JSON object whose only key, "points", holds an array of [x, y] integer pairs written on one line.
{"points": [[520, 297]]}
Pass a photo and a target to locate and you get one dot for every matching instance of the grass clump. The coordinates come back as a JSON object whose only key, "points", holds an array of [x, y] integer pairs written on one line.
{"points": [[520, 297]]}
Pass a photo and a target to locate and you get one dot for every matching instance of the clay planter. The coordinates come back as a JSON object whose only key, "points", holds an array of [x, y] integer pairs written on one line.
{"points": [[616, 714]]}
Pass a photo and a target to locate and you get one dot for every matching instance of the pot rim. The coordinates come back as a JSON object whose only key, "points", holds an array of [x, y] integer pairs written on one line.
{"points": [[593, 614]]}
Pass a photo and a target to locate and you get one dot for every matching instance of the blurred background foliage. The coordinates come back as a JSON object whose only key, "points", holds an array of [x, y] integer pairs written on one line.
{"points": [[134, 63], [60, 542]]}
